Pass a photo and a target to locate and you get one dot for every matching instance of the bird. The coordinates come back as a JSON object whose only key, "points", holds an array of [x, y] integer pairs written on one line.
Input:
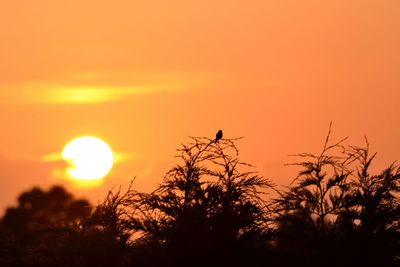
{"points": [[218, 136]]}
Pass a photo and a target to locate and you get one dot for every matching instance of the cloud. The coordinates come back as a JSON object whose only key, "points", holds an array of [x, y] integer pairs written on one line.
{"points": [[100, 87], [87, 94]]}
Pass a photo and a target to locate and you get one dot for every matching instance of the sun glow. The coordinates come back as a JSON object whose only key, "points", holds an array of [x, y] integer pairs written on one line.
{"points": [[88, 94], [90, 159]]}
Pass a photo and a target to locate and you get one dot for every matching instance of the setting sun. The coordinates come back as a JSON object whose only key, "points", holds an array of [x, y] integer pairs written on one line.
{"points": [[90, 158]]}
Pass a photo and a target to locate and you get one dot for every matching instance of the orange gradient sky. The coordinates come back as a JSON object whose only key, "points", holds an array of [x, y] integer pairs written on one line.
{"points": [[145, 75]]}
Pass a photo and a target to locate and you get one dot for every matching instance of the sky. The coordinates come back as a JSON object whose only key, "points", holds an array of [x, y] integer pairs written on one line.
{"points": [[146, 75]]}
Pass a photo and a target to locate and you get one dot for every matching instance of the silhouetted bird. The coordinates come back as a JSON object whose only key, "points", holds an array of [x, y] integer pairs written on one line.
{"points": [[218, 136]]}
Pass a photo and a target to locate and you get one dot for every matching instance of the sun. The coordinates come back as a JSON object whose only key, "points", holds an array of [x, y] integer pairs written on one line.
{"points": [[89, 158]]}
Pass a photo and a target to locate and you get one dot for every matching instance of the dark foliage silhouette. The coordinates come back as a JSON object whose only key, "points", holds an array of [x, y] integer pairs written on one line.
{"points": [[38, 209], [211, 209], [102, 238], [210, 197], [373, 199], [371, 214], [306, 212], [335, 205], [34, 231]]}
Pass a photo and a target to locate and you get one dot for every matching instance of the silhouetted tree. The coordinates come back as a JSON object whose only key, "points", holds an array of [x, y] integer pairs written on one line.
{"points": [[306, 212], [36, 229], [6, 247], [207, 206], [211, 209], [101, 239], [318, 191], [374, 199], [38, 210], [371, 217], [335, 206]]}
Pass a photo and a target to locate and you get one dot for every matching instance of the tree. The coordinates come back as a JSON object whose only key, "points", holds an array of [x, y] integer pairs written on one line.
{"points": [[372, 212], [374, 199], [208, 204], [39, 209], [336, 207], [101, 239], [316, 195], [212, 209], [35, 233]]}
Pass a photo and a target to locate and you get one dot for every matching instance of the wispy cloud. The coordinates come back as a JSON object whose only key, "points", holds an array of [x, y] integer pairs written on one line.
{"points": [[92, 88], [88, 94]]}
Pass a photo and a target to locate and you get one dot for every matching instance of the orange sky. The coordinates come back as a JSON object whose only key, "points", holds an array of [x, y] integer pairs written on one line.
{"points": [[144, 75]]}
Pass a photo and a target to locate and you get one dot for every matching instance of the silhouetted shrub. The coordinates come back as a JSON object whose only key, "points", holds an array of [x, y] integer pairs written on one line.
{"points": [[211, 209], [335, 207]]}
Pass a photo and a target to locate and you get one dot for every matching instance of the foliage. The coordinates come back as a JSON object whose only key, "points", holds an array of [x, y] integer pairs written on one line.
{"points": [[38, 210], [373, 200], [210, 197], [212, 209], [207, 190], [335, 204], [319, 190]]}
